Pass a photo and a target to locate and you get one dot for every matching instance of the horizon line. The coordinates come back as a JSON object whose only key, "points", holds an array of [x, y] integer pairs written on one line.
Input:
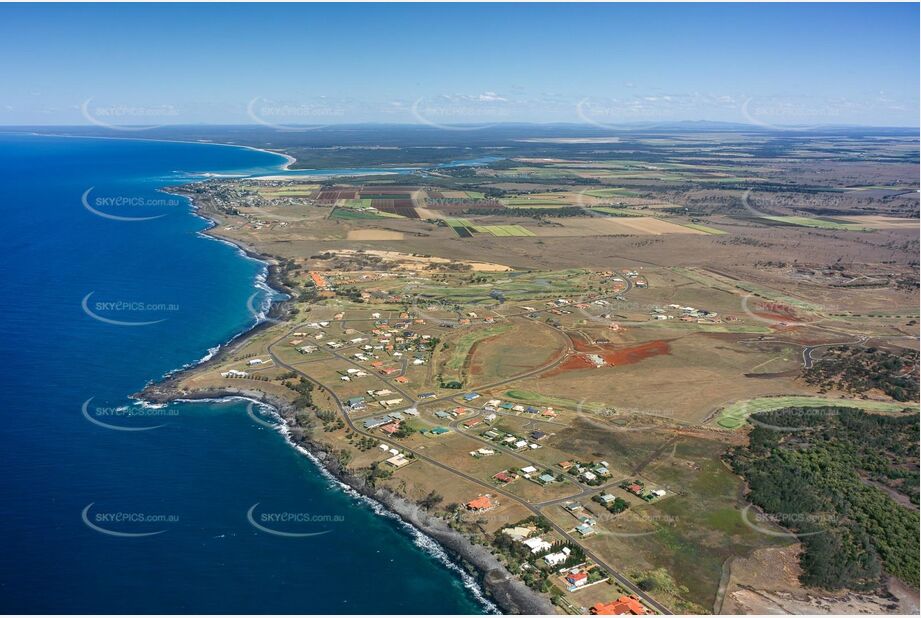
{"points": [[477, 126]]}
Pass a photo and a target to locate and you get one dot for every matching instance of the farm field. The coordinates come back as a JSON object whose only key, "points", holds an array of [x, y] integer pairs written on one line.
{"points": [[735, 415], [637, 319], [818, 223]]}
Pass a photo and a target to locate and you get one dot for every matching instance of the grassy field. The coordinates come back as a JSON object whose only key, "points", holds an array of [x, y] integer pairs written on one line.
{"points": [[537, 399], [721, 283], [357, 203], [298, 191], [612, 192], [692, 531], [818, 223], [460, 349], [343, 212], [733, 416], [504, 230], [520, 287], [620, 212], [704, 228]]}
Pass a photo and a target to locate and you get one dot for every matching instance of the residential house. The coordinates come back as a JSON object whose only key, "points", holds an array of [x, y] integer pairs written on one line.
{"points": [[518, 533], [480, 504], [371, 423], [557, 558], [537, 545], [585, 530], [354, 403], [623, 606], [398, 461], [577, 579]]}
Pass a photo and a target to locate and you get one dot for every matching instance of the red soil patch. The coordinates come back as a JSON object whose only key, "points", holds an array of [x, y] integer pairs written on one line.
{"points": [[574, 362], [635, 354], [611, 354], [776, 311], [776, 317]]}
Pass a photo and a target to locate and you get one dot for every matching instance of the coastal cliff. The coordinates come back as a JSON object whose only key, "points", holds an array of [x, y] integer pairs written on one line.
{"points": [[505, 590]]}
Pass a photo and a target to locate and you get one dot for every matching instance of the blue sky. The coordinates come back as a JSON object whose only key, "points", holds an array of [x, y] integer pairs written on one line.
{"points": [[287, 64]]}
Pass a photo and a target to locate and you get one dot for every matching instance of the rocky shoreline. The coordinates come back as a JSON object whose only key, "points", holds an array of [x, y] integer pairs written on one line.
{"points": [[509, 593]]}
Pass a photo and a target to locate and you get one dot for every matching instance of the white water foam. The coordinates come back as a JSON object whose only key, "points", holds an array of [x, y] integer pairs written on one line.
{"points": [[420, 539]]}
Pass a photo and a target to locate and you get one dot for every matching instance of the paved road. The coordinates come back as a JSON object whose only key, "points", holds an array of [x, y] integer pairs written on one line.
{"points": [[626, 583], [534, 508]]}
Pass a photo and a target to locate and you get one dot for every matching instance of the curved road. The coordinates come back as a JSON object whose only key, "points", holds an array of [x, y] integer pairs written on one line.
{"points": [[534, 508]]}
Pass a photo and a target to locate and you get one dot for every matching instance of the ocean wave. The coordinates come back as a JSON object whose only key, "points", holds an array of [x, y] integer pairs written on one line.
{"points": [[421, 540], [184, 174]]}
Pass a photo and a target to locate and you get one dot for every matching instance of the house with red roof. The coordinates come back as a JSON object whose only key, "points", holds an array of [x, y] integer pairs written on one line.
{"points": [[622, 606], [577, 579], [391, 428], [480, 504]]}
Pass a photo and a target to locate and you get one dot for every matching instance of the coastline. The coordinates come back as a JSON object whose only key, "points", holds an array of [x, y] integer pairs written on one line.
{"points": [[501, 588], [289, 160]]}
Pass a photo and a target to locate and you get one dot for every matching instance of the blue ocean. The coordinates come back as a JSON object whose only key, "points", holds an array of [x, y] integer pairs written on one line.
{"points": [[172, 514]]}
